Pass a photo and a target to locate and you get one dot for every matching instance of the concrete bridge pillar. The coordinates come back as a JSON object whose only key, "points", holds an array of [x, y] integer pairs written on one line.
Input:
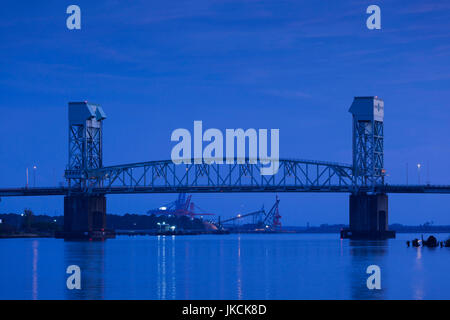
{"points": [[368, 217], [85, 217]]}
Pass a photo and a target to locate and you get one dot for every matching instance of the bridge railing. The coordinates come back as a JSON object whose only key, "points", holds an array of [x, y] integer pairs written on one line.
{"points": [[418, 188]]}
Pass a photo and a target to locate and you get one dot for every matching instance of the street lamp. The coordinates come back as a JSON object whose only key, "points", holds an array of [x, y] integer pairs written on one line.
{"points": [[34, 176], [418, 171]]}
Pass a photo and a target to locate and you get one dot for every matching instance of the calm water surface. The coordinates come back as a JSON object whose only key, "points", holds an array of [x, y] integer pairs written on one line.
{"points": [[251, 266]]}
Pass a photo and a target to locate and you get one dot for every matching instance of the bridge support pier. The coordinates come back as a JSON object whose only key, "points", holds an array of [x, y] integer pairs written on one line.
{"points": [[85, 218], [368, 217]]}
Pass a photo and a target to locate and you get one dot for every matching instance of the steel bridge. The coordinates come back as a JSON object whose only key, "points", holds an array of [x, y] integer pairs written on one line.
{"points": [[88, 181], [167, 177]]}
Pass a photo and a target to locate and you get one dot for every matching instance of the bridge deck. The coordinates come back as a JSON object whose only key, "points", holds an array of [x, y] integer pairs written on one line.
{"points": [[61, 191]]}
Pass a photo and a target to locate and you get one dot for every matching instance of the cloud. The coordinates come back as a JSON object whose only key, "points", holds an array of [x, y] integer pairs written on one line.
{"points": [[287, 94], [425, 7]]}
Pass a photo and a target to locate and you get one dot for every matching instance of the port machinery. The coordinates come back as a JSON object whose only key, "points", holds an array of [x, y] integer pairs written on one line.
{"points": [[262, 220], [183, 206]]}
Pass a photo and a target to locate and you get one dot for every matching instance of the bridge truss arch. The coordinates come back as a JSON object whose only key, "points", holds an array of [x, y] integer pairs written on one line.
{"points": [[243, 176]]}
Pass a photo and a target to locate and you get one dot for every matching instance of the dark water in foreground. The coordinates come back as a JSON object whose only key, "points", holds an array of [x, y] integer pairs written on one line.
{"points": [[274, 266]]}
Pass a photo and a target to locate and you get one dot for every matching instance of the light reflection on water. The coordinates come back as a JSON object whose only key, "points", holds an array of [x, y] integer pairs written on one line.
{"points": [[418, 267], [35, 245], [273, 266], [90, 257], [239, 270]]}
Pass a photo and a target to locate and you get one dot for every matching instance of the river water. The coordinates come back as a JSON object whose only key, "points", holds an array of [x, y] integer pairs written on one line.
{"points": [[247, 266]]}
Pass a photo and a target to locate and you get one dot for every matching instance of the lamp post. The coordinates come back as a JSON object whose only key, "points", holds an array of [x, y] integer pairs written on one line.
{"points": [[418, 171], [34, 176]]}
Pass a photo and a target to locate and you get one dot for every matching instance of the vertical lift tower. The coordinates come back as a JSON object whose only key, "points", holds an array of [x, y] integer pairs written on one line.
{"points": [[368, 209], [84, 213]]}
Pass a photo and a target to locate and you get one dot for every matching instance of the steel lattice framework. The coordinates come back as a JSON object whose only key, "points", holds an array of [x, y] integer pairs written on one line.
{"points": [[85, 145], [165, 176], [368, 154], [368, 141], [85, 141]]}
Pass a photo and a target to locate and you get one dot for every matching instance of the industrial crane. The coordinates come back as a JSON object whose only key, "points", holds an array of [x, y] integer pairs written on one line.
{"points": [[270, 220], [273, 217], [241, 216], [180, 207]]}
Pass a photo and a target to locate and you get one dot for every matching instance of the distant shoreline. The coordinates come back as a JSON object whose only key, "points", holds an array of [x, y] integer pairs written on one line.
{"points": [[132, 233], [26, 236], [43, 226]]}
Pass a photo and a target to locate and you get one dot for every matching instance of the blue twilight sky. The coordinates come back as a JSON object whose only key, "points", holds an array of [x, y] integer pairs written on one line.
{"points": [[295, 65]]}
